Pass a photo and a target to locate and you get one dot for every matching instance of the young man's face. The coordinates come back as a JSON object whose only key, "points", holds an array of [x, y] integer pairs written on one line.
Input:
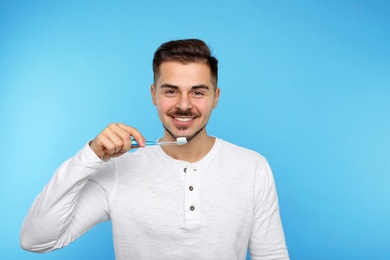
{"points": [[185, 97]]}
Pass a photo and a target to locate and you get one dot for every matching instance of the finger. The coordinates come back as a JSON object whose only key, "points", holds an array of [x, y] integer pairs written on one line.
{"points": [[134, 133], [113, 133], [124, 133], [102, 145]]}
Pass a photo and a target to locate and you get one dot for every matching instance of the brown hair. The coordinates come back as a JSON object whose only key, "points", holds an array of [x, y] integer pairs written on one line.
{"points": [[186, 51]]}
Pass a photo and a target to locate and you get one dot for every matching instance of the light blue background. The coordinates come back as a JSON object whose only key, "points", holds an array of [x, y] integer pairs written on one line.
{"points": [[305, 83]]}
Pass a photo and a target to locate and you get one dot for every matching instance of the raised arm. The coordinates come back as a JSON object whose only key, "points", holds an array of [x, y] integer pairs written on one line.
{"points": [[77, 196]]}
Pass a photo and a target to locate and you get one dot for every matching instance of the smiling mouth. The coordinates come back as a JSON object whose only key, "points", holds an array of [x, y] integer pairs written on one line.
{"points": [[184, 119]]}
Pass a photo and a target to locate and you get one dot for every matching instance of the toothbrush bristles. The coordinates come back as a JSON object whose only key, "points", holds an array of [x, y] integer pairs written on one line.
{"points": [[181, 140]]}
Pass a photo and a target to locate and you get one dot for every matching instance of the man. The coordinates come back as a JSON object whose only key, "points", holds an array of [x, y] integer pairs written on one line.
{"points": [[206, 199]]}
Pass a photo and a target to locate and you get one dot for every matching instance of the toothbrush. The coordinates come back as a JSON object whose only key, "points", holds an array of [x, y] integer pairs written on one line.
{"points": [[179, 141]]}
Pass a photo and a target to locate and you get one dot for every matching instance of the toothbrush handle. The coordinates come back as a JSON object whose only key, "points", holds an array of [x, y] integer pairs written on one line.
{"points": [[134, 143]]}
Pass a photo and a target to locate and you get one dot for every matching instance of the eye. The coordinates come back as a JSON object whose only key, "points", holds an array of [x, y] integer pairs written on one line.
{"points": [[198, 93], [170, 92]]}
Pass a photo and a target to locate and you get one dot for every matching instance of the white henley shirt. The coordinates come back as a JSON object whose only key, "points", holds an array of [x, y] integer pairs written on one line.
{"points": [[162, 208]]}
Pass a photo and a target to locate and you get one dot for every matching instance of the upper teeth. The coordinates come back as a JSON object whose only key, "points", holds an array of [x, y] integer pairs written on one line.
{"points": [[183, 119]]}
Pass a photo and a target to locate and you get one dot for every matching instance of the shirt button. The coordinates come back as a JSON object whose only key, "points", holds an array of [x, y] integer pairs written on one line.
{"points": [[185, 169], [191, 188], [192, 208]]}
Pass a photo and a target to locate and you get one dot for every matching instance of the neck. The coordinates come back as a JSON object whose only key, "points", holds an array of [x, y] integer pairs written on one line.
{"points": [[193, 151]]}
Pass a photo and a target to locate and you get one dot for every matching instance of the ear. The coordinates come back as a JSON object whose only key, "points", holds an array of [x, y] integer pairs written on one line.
{"points": [[216, 98], [153, 93]]}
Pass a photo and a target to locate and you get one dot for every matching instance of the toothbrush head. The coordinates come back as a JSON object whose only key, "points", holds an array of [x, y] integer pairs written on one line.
{"points": [[181, 140]]}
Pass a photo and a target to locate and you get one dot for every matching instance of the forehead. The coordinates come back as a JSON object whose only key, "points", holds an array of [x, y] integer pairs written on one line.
{"points": [[184, 74]]}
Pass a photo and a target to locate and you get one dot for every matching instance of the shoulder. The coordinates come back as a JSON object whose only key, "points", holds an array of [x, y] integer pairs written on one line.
{"points": [[235, 152], [245, 165], [240, 159]]}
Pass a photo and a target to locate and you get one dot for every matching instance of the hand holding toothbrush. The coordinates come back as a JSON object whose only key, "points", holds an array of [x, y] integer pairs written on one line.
{"points": [[115, 140]]}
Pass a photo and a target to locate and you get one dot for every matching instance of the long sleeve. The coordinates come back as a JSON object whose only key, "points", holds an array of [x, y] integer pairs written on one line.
{"points": [[267, 239], [69, 205]]}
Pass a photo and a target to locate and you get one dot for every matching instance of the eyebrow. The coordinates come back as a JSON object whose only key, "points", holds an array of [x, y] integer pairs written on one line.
{"points": [[201, 86]]}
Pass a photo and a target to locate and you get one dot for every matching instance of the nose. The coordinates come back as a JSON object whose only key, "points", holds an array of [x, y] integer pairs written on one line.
{"points": [[184, 103]]}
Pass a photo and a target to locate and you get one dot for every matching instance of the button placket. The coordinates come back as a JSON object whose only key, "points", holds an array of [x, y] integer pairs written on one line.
{"points": [[192, 209]]}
